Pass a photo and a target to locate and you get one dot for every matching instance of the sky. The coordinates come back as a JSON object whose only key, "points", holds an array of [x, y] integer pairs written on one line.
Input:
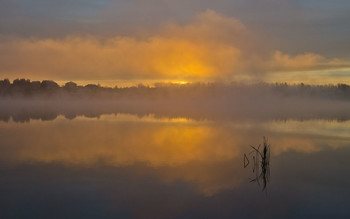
{"points": [[185, 40]]}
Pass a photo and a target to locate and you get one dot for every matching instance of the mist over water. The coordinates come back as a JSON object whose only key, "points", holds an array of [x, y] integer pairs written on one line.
{"points": [[175, 151], [23, 100]]}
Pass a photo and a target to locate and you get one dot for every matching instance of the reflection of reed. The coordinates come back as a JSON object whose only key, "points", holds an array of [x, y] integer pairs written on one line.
{"points": [[261, 163]]}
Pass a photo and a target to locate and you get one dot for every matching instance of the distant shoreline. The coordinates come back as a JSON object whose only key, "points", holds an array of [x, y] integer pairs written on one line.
{"points": [[23, 100], [24, 88]]}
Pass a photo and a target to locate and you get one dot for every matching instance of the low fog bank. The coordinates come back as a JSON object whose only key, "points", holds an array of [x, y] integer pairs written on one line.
{"points": [[23, 100]]}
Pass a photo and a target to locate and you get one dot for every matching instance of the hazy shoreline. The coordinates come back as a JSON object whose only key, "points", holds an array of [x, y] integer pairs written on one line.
{"points": [[23, 100]]}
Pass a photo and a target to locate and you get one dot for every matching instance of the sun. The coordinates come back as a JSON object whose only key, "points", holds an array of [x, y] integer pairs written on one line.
{"points": [[180, 82]]}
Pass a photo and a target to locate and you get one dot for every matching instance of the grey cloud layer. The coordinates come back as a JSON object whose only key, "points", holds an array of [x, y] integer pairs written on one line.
{"points": [[297, 26]]}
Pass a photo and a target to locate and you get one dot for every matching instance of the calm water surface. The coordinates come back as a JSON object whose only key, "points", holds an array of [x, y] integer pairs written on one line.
{"points": [[122, 166]]}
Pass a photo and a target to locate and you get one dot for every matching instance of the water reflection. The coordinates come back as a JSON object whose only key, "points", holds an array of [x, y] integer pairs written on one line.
{"points": [[164, 167], [24, 110]]}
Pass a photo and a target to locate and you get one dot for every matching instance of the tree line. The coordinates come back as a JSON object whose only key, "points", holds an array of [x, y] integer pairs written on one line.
{"points": [[49, 88]]}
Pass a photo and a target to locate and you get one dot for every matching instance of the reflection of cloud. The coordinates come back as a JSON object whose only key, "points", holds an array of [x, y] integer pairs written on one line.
{"points": [[205, 154], [119, 143], [199, 153], [299, 145], [208, 177], [307, 136], [211, 47]]}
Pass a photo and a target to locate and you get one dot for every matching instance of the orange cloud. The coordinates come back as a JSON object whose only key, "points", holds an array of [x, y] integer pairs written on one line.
{"points": [[211, 47], [306, 61]]}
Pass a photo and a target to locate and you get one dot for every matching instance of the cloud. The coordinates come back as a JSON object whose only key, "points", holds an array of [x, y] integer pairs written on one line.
{"points": [[211, 47], [306, 61]]}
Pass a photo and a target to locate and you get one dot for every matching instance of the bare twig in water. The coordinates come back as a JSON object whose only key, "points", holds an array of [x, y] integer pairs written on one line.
{"points": [[261, 163]]}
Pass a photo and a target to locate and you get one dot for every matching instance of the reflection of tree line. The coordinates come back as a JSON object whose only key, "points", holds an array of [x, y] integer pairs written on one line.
{"points": [[26, 117], [27, 113]]}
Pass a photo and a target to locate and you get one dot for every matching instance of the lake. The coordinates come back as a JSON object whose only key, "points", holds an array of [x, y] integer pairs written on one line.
{"points": [[147, 166]]}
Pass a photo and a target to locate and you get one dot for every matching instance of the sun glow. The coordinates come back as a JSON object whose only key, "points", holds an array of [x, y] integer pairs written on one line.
{"points": [[181, 82], [176, 58]]}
